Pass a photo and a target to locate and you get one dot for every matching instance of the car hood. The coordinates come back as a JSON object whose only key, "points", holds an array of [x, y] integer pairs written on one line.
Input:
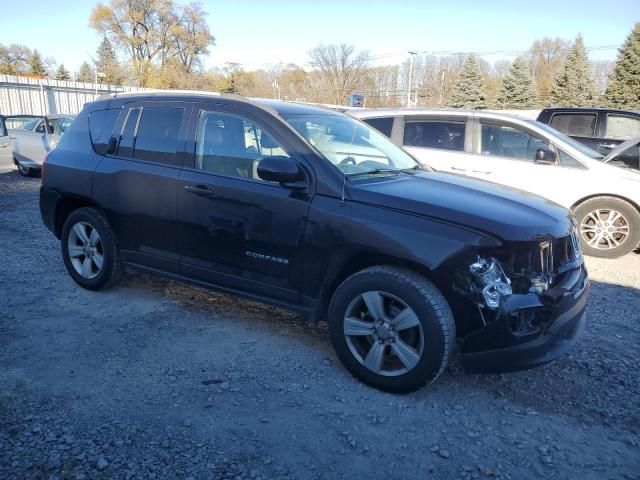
{"points": [[507, 213]]}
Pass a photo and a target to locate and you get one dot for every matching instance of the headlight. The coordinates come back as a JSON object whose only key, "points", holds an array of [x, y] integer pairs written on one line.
{"points": [[491, 280]]}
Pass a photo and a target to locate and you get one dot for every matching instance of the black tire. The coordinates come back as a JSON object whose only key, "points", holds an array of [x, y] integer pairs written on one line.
{"points": [[586, 223], [23, 170], [112, 268], [430, 308]]}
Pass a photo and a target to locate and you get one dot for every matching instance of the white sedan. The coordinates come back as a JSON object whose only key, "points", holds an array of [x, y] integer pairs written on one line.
{"points": [[528, 155]]}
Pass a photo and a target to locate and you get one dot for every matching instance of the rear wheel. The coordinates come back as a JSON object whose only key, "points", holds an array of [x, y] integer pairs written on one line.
{"points": [[90, 251], [609, 227], [391, 328]]}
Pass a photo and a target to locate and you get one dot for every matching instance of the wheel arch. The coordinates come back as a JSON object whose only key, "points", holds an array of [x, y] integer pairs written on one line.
{"points": [[65, 206], [605, 195]]}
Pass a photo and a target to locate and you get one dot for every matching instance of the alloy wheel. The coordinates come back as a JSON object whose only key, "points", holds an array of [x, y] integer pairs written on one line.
{"points": [[604, 229], [85, 250], [383, 333]]}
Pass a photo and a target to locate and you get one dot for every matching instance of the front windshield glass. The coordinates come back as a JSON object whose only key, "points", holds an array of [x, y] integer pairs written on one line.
{"points": [[351, 146], [574, 143]]}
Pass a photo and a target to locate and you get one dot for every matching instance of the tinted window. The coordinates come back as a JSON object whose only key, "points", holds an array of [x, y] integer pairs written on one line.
{"points": [[157, 137], [576, 124], [383, 125], [435, 134], [128, 133], [621, 127], [101, 125], [504, 141], [233, 146], [52, 123], [63, 124]]}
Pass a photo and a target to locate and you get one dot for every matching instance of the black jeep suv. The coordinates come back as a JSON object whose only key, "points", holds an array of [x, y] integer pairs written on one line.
{"points": [[314, 211]]}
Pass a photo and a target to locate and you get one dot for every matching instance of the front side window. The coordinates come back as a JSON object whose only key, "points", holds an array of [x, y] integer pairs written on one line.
{"points": [[22, 123], [622, 127], [510, 142], [63, 124], [353, 147], [575, 124], [232, 146], [567, 160], [157, 135], [443, 135]]}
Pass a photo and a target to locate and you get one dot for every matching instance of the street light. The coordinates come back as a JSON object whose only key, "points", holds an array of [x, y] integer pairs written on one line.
{"points": [[412, 54]]}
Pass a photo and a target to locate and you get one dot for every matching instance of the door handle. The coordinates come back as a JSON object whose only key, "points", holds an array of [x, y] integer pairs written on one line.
{"points": [[199, 190], [481, 171], [607, 145], [458, 169]]}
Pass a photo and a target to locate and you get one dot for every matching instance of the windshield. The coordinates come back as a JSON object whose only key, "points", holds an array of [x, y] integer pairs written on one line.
{"points": [[574, 143], [353, 147]]}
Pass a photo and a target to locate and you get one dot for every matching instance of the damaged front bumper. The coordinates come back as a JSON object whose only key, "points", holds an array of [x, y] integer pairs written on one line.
{"points": [[530, 329]]}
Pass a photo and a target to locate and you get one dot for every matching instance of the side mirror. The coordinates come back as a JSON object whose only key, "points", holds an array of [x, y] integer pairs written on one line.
{"points": [[545, 157], [277, 168]]}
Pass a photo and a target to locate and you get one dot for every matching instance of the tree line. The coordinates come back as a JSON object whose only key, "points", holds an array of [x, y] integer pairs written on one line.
{"points": [[162, 44]]}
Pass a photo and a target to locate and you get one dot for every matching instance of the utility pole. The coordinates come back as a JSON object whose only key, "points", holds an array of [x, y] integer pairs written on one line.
{"points": [[412, 54]]}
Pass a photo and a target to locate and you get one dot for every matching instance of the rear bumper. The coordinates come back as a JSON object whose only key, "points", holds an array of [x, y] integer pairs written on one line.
{"points": [[48, 201], [498, 348]]}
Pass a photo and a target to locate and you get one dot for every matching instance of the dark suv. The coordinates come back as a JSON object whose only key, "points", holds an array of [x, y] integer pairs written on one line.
{"points": [[314, 211]]}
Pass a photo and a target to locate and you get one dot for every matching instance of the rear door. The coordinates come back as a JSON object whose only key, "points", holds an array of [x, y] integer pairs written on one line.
{"points": [[6, 157], [441, 142], [238, 230], [580, 125], [136, 184]]}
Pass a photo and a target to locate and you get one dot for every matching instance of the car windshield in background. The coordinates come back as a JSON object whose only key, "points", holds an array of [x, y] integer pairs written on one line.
{"points": [[574, 143], [353, 147], [22, 123]]}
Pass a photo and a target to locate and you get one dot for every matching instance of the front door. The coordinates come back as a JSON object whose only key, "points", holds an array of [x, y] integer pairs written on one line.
{"points": [[239, 231]]}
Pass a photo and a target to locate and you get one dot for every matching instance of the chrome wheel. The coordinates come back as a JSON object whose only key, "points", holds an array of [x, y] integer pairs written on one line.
{"points": [[604, 229], [85, 250], [383, 333]]}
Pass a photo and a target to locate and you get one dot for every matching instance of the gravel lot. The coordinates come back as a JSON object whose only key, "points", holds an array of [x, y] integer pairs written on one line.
{"points": [[155, 379]]}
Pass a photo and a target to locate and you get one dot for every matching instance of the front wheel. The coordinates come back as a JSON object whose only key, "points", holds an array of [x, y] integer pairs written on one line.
{"points": [[391, 328], [23, 170], [609, 227]]}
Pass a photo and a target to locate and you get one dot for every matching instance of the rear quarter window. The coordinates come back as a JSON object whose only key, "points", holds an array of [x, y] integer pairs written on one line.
{"points": [[101, 123], [574, 124], [383, 125]]}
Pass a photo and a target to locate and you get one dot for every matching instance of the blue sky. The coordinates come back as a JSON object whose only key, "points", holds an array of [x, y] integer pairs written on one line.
{"points": [[258, 32]]}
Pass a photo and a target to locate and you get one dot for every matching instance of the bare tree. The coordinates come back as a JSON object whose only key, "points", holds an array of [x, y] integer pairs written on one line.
{"points": [[190, 36], [601, 70], [14, 58], [340, 67], [546, 57]]}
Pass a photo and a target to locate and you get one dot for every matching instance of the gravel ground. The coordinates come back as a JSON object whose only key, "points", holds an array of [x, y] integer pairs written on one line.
{"points": [[155, 379]]}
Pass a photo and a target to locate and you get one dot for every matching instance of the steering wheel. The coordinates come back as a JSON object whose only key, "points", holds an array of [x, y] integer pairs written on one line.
{"points": [[348, 161]]}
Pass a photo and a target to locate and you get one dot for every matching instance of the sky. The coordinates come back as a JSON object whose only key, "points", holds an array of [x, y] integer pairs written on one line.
{"points": [[256, 33]]}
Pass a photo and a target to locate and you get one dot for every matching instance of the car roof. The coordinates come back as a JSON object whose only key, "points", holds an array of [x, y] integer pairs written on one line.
{"points": [[416, 112], [588, 109], [273, 106]]}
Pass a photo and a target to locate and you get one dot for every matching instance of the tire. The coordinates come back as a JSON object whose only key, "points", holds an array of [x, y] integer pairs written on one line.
{"points": [[598, 237], [94, 262], [24, 171], [428, 328]]}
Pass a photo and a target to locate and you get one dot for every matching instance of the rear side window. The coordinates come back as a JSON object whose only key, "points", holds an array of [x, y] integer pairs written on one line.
{"points": [[157, 134], [383, 125], [435, 134], [622, 127], [575, 124], [101, 123], [128, 134]]}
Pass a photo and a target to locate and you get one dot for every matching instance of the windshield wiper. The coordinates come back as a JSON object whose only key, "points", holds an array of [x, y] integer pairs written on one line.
{"points": [[375, 171]]}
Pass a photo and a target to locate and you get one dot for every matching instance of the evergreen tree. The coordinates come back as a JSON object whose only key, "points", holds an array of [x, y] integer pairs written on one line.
{"points": [[37, 65], [62, 73], [469, 91], [623, 89], [107, 63], [517, 89], [85, 74], [575, 86]]}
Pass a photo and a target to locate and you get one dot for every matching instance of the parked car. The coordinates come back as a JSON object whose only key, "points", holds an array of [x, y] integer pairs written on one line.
{"points": [[311, 210], [33, 137], [6, 156], [528, 155], [600, 129], [626, 155]]}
